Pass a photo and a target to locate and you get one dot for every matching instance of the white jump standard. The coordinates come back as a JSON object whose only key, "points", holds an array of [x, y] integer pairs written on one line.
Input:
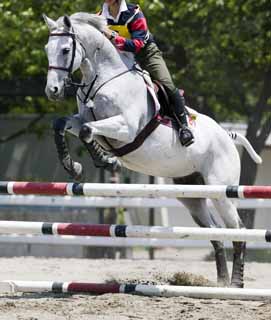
{"points": [[136, 190], [123, 231], [136, 289]]}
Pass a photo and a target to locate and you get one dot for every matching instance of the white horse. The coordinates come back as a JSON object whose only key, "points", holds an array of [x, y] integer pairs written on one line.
{"points": [[114, 106]]}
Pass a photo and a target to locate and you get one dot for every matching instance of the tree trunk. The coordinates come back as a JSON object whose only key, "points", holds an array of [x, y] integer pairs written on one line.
{"points": [[258, 131], [248, 177]]}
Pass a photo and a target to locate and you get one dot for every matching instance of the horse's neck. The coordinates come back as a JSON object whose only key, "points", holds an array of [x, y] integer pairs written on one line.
{"points": [[103, 65], [105, 61]]}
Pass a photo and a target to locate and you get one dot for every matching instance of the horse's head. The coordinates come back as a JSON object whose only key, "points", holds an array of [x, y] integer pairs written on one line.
{"points": [[65, 55]]}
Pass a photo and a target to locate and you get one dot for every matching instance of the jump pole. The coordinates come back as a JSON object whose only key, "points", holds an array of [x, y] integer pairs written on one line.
{"points": [[123, 231], [114, 242], [100, 241], [136, 190], [112, 202], [146, 290]]}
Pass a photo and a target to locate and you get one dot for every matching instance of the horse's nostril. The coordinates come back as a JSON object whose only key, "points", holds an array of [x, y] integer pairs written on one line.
{"points": [[55, 89]]}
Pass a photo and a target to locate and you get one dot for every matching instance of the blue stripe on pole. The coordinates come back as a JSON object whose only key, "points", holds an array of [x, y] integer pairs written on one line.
{"points": [[232, 192], [268, 236], [120, 231], [77, 189], [3, 187], [57, 287], [130, 288], [47, 228]]}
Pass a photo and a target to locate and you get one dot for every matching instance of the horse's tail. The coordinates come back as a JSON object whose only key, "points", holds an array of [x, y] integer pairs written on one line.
{"points": [[246, 144]]}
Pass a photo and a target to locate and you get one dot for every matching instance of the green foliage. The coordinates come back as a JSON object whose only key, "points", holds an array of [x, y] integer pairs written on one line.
{"points": [[216, 49], [24, 34], [227, 49]]}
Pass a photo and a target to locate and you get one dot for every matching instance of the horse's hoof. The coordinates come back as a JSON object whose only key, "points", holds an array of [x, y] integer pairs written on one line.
{"points": [[77, 173], [237, 285], [113, 165], [75, 170], [85, 134]]}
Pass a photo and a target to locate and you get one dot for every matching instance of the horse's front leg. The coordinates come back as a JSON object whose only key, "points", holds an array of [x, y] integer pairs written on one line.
{"points": [[115, 128], [71, 124]]}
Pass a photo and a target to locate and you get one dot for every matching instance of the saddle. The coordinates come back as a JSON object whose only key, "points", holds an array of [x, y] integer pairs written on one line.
{"points": [[163, 98], [162, 101], [166, 115]]}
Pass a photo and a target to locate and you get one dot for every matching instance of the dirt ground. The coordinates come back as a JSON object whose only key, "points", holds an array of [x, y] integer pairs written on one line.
{"points": [[124, 307]]}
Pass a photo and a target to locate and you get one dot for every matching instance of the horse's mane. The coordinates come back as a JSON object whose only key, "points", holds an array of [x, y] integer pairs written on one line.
{"points": [[98, 22]]}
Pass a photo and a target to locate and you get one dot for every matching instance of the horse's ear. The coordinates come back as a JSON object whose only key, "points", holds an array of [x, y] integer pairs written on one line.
{"points": [[67, 23], [51, 24]]}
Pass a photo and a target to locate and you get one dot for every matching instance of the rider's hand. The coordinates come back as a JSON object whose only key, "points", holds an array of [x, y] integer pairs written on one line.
{"points": [[110, 34], [107, 32]]}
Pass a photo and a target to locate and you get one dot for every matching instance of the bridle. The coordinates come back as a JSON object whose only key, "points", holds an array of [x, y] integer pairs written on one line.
{"points": [[69, 80]]}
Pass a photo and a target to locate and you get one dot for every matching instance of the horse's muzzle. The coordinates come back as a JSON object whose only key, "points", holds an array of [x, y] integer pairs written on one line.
{"points": [[54, 93]]}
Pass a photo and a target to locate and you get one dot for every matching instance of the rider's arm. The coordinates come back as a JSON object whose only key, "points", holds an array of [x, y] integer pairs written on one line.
{"points": [[138, 29]]}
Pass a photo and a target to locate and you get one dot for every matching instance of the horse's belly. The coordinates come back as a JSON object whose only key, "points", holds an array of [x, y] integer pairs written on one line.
{"points": [[158, 171], [213, 153], [162, 155]]}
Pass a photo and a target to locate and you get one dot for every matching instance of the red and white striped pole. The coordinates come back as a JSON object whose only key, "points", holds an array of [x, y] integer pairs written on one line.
{"points": [[136, 289], [136, 190], [123, 231]]}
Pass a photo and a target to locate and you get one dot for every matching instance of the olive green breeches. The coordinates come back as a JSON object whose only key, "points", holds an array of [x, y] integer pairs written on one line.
{"points": [[151, 59]]}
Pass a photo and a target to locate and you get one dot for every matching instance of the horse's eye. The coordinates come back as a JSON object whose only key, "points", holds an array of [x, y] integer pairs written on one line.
{"points": [[65, 51]]}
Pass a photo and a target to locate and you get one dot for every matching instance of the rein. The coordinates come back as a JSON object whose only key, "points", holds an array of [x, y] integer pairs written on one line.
{"points": [[92, 97], [69, 80]]}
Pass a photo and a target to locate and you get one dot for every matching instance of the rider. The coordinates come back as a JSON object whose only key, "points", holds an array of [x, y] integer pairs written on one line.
{"points": [[128, 31]]}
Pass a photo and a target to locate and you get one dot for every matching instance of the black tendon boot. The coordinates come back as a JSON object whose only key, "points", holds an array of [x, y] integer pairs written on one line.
{"points": [[185, 134], [101, 158], [74, 169]]}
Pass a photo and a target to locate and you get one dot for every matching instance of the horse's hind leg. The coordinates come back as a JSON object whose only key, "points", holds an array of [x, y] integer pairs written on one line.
{"points": [[204, 218], [231, 218]]}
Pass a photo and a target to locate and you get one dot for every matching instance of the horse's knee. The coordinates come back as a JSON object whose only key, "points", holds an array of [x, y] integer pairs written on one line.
{"points": [[85, 133]]}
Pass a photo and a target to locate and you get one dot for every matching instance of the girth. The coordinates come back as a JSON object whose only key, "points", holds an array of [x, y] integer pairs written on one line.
{"points": [[139, 140]]}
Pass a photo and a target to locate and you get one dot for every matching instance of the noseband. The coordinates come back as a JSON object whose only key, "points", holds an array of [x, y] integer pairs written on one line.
{"points": [[68, 81]]}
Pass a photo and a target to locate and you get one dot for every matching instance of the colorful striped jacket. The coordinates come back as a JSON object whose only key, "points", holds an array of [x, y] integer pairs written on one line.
{"points": [[132, 28]]}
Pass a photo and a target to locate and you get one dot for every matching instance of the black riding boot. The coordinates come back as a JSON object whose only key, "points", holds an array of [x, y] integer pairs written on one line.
{"points": [[185, 134]]}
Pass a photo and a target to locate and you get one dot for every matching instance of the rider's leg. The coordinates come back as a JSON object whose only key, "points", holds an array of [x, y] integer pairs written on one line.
{"points": [[186, 136], [151, 59]]}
